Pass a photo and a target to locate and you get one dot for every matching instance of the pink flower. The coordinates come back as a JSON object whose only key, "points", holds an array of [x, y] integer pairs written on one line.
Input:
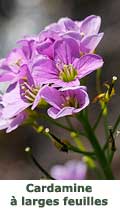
{"points": [[67, 101], [67, 67]]}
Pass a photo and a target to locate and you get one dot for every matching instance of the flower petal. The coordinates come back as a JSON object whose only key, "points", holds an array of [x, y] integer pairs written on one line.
{"points": [[67, 24], [88, 44], [44, 70], [87, 64], [60, 83], [4, 123], [73, 34], [55, 113], [16, 122], [46, 48], [38, 97], [14, 109], [7, 76], [66, 50], [72, 170], [13, 103], [90, 25], [52, 96]]}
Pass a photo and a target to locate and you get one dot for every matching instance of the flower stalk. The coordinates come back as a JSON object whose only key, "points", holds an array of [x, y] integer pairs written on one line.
{"points": [[29, 151], [97, 148]]}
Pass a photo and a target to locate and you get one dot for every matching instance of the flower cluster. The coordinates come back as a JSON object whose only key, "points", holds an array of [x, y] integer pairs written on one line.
{"points": [[49, 67]]}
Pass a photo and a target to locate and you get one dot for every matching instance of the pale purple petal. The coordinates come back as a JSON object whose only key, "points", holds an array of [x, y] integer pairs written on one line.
{"points": [[14, 67], [52, 96], [60, 83], [66, 50], [90, 25], [12, 94], [44, 71], [54, 27], [15, 59], [72, 170], [27, 45], [14, 109], [4, 123], [87, 64], [59, 109], [52, 112], [13, 103], [46, 47], [56, 113], [79, 23], [49, 34], [16, 122], [42, 62], [78, 169], [73, 88], [73, 34], [38, 97], [67, 24], [88, 44], [59, 172], [6, 76]]}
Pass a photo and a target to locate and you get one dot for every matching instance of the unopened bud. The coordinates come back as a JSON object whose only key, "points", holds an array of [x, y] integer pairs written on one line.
{"points": [[47, 130], [114, 78], [27, 149], [40, 129]]}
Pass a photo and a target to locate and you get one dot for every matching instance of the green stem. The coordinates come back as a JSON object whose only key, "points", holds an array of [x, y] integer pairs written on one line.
{"points": [[113, 131], [111, 147], [55, 122], [75, 149], [68, 146], [111, 156], [99, 152], [38, 165], [60, 125], [69, 123], [106, 126], [116, 124], [99, 118], [41, 168]]}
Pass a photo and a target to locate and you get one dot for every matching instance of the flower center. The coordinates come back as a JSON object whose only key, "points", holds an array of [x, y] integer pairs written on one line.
{"points": [[29, 92], [18, 62], [68, 73], [71, 102]]}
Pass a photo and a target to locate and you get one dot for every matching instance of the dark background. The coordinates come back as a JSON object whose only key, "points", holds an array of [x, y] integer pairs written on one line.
{"points": [[24, 17]]}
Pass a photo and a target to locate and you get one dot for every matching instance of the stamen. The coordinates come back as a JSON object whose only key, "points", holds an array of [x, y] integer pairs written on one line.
{"points": [[18, 62], [28, 86], [30, 94], [35, 90], [68, 73], [71, 102], [76, 102], [28, 98]]}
